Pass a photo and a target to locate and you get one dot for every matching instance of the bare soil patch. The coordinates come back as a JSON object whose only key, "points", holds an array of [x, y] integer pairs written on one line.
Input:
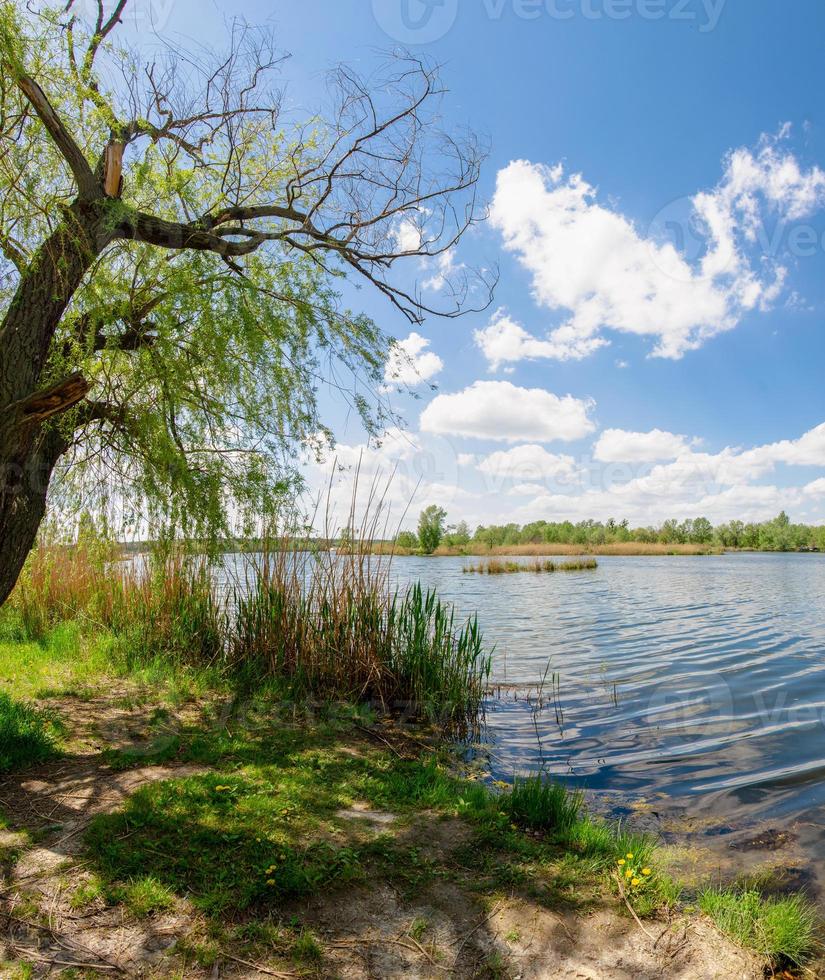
{"points": [[450, 928]]}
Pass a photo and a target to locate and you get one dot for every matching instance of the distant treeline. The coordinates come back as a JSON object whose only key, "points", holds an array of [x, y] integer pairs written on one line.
{"points": [[779, 534]]}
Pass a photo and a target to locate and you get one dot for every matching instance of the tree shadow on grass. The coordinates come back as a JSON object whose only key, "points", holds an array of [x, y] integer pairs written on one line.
{"points": [[260, 834]]}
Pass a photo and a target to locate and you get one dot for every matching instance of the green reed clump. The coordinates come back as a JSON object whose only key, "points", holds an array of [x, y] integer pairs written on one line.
{"points": [[538, 803], [163, 605], [495, 566], [168, 607], [331, 625], [782, 928], [435, 663]]}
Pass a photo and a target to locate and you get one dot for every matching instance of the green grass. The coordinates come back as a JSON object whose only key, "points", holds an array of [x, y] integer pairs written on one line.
{"points": [[26, 735], [259, 831], [780, 928], [64, 661], [143, 896], [539, 804], [264, 826]]}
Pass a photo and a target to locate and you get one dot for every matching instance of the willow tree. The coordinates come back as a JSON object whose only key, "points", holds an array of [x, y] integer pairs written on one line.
{"points": [[173, 251]]}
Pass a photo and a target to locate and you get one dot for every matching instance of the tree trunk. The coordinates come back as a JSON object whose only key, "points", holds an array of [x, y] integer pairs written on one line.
{"points": [[30, 443], [23, 505]]}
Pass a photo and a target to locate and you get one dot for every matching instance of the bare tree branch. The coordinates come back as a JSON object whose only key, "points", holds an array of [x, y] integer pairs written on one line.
{"points": [[87, 186]]}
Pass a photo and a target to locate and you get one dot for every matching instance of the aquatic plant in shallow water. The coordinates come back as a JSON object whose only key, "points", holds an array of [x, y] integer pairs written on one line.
{"points": [[495, 566]]}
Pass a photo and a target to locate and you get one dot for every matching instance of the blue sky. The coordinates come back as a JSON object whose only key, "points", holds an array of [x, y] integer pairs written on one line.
{"points": [[621, 370]]}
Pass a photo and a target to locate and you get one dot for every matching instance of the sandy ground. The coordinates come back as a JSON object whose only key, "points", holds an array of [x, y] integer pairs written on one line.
{"points": [[365, 932]]}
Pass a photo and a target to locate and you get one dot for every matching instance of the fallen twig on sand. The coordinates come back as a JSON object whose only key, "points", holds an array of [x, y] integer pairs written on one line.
{"points": [[633, 911], [259, 968]]}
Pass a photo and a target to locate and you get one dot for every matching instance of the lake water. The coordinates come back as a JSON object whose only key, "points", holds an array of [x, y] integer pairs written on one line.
{"points": [[690, 688]]}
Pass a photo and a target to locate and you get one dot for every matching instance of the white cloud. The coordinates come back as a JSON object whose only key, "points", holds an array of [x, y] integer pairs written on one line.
{"points": [[410, 363], [816, 488], [527, 464], [526, 482], [389, 479], [504, 341], [445, 266], [807, 451], [408, 235], [501, 411], [720, 486], [594, 262], [620, 446], [526, 489]]}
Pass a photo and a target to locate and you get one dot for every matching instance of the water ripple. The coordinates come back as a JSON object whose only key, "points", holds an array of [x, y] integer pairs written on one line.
{"points": [[692, 677]]}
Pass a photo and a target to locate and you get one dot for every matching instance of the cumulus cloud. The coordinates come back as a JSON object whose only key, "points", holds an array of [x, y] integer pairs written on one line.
{"points": [[720, 486], [526, 482], [410, 363], [526, 489], [620, 446], [408, 235], [505, 341], [503, 412], [529, 464], [743, 501], [445, 266], [816, 488], [590, 260]]}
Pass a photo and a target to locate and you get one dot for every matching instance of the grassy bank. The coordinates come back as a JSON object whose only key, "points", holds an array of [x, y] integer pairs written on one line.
{"points": [[27, 736], [250, 822], [238, 771], [325, 625]]}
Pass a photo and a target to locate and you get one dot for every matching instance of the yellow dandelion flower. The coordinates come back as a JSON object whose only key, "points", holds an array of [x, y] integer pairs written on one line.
{"points": [[646, 871], [628, 873], [636, 881], [629, 857], [621, 862], [271, 882]]}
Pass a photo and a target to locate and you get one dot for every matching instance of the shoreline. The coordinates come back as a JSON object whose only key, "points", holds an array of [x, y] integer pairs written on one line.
{"points": [[630, 549], [361, 831], [380, 839]]}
